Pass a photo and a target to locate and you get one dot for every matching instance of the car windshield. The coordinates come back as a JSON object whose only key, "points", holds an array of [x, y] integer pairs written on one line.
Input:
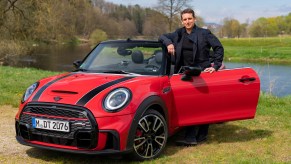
{"points": [[143, 58]]}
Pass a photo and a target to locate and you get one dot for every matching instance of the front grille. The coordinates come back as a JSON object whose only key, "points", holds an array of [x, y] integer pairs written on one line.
{"points": [[83, 126], [55, 111]]}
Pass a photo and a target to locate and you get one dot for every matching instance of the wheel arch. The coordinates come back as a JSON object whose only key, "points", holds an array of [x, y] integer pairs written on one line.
{"points": [[152, 102]]}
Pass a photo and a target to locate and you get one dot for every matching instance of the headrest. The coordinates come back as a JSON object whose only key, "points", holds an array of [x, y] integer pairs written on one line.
{"points": [[137, 57], [159, 56]]}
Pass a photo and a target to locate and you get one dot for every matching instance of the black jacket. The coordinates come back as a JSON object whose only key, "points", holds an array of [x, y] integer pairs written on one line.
{"points": [[202, 40]]}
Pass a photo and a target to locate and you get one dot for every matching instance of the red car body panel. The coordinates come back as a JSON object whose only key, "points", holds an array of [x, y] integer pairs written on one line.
{"points": [[230, 94], [216, 97]]}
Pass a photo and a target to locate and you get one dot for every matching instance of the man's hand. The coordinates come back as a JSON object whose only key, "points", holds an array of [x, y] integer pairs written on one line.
{"points": [[209, 69], [171, 49]]}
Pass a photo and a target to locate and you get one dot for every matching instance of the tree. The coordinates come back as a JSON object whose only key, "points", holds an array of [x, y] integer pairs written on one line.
{"points": [[256, 29], [154, 25], [138, 17], [172, 8], [97, 36], [86, 17], [200, 21], [264, 27], [273, 26], [288, 24], [15, 18], [243, 30], [51, 23], [231, 28], [128, 29]]}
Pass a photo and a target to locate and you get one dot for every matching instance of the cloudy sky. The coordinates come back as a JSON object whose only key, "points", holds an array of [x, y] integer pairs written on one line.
{"points": [[213, 11]]}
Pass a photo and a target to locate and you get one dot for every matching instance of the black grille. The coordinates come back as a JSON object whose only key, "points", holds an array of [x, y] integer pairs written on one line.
{"points": [[80, 120], [55, 111]]}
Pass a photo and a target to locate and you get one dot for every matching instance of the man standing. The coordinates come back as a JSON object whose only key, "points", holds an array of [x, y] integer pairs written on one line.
{"points": [[190, 46]]}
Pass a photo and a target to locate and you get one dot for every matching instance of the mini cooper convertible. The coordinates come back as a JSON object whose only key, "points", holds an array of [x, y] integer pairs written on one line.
{"points": [[124, 98]]}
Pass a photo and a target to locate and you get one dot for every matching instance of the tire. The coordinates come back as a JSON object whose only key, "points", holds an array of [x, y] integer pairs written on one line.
{"points": [[150, 136]]}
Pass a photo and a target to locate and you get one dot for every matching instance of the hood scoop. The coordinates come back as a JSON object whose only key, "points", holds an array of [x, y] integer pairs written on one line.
{"points": [[65, 92]]}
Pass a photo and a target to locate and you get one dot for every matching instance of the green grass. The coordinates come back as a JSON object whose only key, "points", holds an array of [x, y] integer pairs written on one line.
{"points": [[14, 82], [264, 139], [272, 50]]}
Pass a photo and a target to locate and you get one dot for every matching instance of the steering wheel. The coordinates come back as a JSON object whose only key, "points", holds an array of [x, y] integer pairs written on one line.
{"points": [[152, 68]]}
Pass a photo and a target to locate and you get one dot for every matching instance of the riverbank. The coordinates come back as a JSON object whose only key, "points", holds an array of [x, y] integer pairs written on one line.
{"points": [[12, 48], [273, 50], [264, 139]]}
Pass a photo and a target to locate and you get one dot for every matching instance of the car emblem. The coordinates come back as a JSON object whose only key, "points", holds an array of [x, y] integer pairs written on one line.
{"points": [[57, 98]]}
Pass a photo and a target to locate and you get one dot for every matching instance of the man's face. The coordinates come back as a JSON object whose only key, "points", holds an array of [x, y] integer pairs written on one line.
{"points": [[188, 21]]}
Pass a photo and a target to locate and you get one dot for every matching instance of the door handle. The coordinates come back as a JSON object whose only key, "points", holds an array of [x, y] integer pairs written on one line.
{"points": [[247, 79]]}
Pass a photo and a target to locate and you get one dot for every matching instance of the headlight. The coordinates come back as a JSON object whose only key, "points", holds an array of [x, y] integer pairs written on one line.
{"points": [[117, 99], [29, 92]]}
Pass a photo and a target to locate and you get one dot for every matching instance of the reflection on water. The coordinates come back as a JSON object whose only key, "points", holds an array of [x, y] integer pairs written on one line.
{"points": [[53, 58], [275, 79]]}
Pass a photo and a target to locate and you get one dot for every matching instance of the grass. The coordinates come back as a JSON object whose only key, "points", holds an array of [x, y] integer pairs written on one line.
{"points": [[272, 50], [14, 82], [265, 139]]}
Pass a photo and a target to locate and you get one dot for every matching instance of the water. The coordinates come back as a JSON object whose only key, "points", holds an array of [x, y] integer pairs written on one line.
{"points": [[275, 79], [53, 58]]}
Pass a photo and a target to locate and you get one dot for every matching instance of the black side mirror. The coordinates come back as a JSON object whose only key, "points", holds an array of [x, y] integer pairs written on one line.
{"points": [[189, 72], [77, 64]]}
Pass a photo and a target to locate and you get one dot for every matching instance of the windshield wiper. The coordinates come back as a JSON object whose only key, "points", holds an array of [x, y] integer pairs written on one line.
{"points": [[120, 72]]}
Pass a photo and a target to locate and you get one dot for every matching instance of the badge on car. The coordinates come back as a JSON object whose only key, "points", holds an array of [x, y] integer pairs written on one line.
{"points": [[47, 124]]}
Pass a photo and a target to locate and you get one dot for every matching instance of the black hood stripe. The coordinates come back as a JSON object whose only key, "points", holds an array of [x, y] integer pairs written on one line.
{"points": [[87, 97], [42, 89]]}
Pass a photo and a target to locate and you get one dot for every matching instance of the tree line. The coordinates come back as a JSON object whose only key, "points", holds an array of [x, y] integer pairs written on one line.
{"points": [[54, 20], [68, 20], [262, 27]]}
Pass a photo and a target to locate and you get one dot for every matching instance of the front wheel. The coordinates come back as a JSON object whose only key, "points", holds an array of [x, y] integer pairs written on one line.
{"points": [[150, 136]]}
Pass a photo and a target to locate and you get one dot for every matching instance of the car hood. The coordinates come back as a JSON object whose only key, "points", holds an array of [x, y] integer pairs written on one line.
{"points": [[76, 88]]}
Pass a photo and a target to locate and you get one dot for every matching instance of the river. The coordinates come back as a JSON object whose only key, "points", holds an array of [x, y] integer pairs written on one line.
{"points": [[275, 79]]}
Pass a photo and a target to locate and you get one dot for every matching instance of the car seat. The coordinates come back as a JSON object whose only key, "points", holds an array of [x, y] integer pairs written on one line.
{"points": [[157, 58], [137, 57]]}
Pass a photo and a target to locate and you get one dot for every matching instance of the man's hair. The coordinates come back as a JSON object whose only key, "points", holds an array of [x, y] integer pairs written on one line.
{"points": [[188, 10]]}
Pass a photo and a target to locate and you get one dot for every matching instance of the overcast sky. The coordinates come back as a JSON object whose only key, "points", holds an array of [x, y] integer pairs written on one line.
{"points": [[213, 11]]}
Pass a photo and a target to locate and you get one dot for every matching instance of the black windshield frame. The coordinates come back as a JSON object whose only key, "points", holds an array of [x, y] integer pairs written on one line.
{"points": [[120, 46]]}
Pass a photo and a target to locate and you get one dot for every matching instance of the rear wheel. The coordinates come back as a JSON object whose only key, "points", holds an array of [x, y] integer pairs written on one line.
{"points": [[150, 136]]}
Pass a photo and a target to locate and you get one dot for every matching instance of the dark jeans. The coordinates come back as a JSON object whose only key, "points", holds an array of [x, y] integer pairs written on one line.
{"points": [[198, 132]]}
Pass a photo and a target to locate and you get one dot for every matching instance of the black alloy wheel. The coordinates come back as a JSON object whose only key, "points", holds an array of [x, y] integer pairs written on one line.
{"points": [[150, 136]]}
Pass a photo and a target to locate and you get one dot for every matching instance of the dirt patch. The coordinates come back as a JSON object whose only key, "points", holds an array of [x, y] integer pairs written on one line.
{"points": [[9, 145], [13, 152]]}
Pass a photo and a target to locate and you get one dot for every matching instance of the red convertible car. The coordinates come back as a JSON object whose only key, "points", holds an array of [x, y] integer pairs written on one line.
{"points": [[124, 98]]}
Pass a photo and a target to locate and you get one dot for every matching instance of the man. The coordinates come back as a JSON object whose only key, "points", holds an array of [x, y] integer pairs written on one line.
{"points": [[190, 46]]}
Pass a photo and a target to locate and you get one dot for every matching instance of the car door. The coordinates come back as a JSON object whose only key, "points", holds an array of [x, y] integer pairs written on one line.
{"points": [[225, 95]]}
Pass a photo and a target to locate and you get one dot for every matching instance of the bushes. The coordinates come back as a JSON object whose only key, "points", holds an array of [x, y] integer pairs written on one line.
{"points": [[10, 47], [97, 36]]}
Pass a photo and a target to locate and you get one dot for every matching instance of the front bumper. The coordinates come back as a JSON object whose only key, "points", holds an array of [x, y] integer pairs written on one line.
{"points": [[85, 139], [54, 147]]}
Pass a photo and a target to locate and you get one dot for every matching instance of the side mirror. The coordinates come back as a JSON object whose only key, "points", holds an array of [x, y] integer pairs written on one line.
{"points": [[77, 64], [189, 72]]}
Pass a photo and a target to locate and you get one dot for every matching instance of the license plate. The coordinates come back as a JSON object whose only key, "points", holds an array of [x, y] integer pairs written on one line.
{"points": [[54, 125]]}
